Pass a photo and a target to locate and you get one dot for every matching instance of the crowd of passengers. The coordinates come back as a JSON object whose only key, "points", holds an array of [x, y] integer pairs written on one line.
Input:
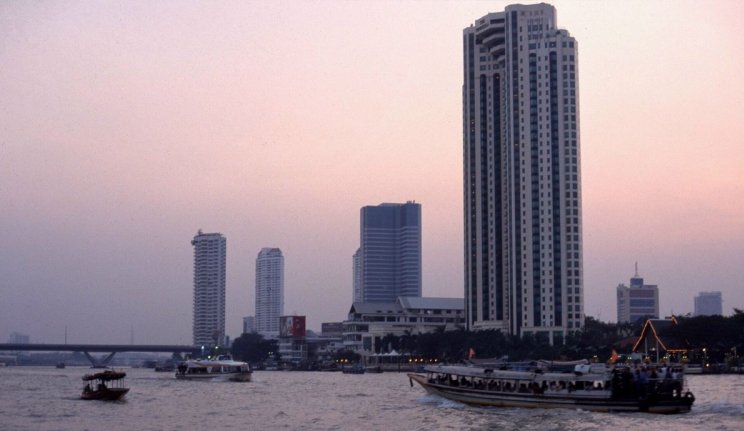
{"points": [[626, 383], [644, 381]]}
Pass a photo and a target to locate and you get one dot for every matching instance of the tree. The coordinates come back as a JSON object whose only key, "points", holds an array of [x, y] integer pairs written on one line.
{"points": [[252, 348]]}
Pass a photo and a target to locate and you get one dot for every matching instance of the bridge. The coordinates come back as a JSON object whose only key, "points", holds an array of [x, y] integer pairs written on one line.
{"points": [[112, 349]]}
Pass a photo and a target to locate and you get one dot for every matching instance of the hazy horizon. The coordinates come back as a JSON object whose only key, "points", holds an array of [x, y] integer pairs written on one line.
{"points": [[126, 127]]}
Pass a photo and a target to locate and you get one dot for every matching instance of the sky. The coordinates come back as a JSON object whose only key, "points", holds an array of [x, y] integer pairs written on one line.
{"points": [[127, 126]]}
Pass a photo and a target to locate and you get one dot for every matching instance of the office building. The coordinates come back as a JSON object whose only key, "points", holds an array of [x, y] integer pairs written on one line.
{"points": [[356, 265], [269, 291], [210, 250], [18, 338], [249, 324], [708, 304], [390, 252], [522, 176], [638, 301]]}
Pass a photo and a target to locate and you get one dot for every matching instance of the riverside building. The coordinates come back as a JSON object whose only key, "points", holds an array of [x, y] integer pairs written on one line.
{"points": [[522, 176], [388, 262], [269, 291], [210, 250], [368, 323]]}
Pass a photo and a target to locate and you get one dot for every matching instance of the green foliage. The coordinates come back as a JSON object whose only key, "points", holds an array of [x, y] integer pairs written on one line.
{"points": [[596, 338], [347, 356], [253, 348]]}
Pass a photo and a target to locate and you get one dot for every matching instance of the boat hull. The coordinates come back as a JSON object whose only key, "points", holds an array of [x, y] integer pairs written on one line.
{"points": [[237, 377], [482, 397], [110, 394]]}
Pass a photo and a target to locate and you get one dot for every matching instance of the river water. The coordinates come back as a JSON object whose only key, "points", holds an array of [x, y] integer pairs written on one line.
{"points": [[38, 398]]}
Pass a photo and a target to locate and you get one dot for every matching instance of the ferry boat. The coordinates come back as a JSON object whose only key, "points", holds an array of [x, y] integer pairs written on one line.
{"points": [[587, 387], [106, 386], [222, 367]]}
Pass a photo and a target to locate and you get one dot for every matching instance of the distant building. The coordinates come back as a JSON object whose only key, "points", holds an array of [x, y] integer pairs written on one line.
{"points": [[210, 250], [292, 344], [269, 291], [331, 329], [368, 323], [637, 301], [708, 304], [18, 338], [522, 174], [249, 324], [390, 259]]}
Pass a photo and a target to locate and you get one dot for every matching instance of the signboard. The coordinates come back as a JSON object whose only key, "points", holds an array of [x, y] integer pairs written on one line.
{"points": [[292, 326]]}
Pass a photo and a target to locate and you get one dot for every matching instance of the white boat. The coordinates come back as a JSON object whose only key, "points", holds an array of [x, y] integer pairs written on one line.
{"points": [[587, 387], [222, 367]]}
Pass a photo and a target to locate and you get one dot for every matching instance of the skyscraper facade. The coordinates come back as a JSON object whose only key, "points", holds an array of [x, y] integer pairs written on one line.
{"points": [[356, 265], [637, 301], [269, 291], [708, 304], [390, 252], [522, 177], [210, 250]]}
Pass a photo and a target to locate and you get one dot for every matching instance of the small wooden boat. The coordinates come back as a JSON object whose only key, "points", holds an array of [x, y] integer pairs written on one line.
{"points": [[106, 386]]}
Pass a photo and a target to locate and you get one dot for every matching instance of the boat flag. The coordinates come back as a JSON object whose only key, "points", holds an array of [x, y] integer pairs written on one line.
{"points": [[614, 357], [471, 353]]}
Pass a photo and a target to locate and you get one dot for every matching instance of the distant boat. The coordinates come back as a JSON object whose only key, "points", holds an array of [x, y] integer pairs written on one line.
{"points": [[105, 386], [353, 369], [60, 365], [165, 367], [223, 367]]}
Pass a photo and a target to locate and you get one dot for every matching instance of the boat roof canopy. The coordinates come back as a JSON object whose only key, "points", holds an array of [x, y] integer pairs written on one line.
{"points": [[105, 376]]}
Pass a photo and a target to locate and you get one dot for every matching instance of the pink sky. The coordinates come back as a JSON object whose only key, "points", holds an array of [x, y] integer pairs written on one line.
{"points": [[125, 127]]}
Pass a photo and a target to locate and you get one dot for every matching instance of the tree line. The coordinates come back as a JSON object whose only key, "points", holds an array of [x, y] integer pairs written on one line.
{"points": [[721, 336]]}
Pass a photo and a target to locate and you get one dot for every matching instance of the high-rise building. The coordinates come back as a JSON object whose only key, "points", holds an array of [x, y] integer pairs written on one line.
{"points": [[269, 291], [522, 177], [356, 266], [249, 324], [390, 252], [637, 301], [708, 304], [210, 250]]}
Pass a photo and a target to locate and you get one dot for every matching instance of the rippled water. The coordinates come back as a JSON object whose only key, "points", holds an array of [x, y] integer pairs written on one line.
{"points": [[36, 398]]}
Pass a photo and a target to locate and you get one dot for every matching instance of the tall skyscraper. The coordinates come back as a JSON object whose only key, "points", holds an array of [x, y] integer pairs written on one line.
{"points": [[522, 178], [269, 291], [639, 301], [356, 265], [708, 304], [210, 250], [390, 252]]}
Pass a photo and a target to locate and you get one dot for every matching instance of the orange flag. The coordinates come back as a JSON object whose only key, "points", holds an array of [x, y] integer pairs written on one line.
{"points": [[614, 357]]}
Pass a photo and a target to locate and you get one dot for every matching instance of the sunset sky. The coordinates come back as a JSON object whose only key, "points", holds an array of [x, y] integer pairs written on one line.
{"points": [[127, 126]]}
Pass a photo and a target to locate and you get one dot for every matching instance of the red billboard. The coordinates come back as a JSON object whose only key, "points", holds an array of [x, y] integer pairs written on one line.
{"points": [[292, 326]]}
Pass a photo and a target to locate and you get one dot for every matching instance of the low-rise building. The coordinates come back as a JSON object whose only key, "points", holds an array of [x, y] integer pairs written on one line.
{"points": [[369, 322]]}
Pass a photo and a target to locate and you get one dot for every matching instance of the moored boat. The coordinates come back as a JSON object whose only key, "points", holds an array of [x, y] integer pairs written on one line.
{"points": [[593, 388], [222, 367], [106, 386], [353, 369]]}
